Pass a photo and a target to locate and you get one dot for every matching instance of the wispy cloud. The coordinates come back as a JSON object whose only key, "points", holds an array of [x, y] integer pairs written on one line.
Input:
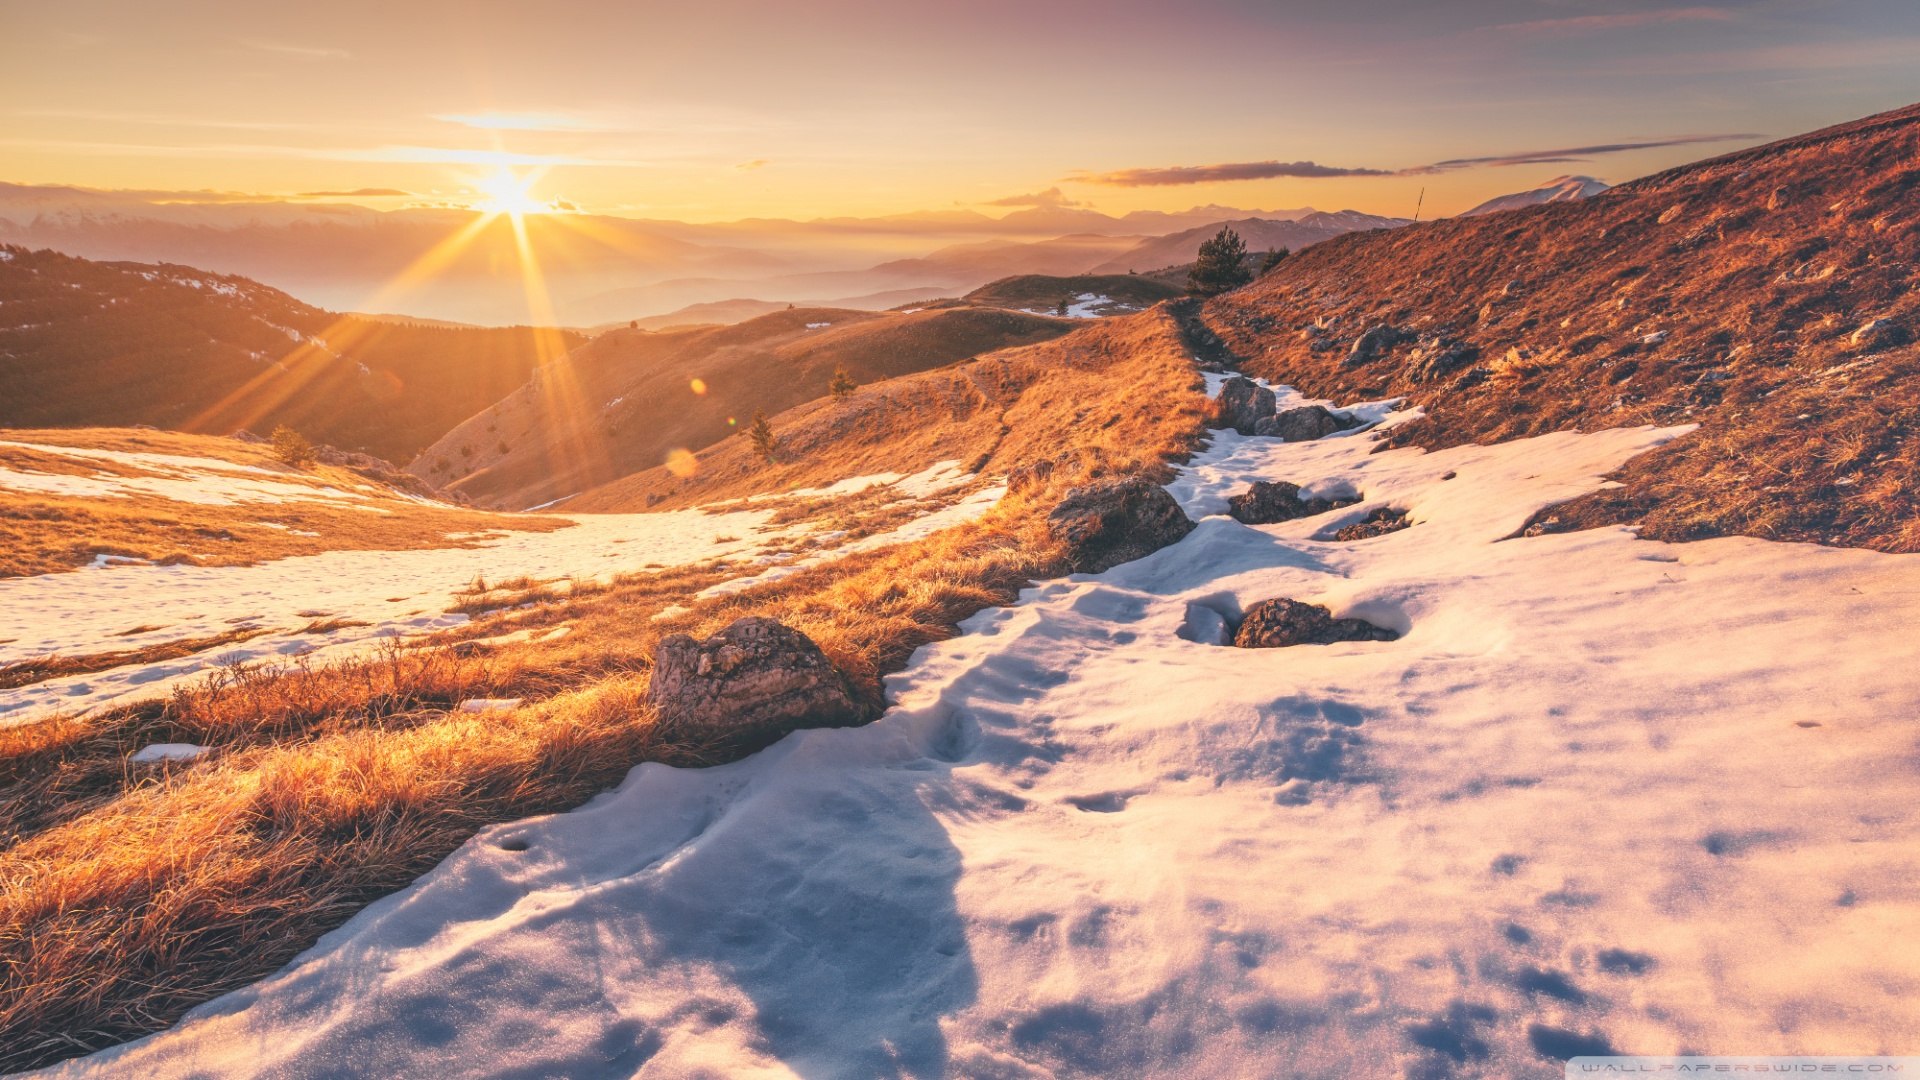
{"points": [[1307, 170], [1213, 174], [1050, 199], [357, 193], [521, 121], [1581, 23], [1572, 153], [756, 163], [310, 52], [401, 155]]}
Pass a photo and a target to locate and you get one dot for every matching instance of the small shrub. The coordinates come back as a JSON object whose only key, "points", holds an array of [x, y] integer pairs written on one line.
{"points": [[1274, 258], [292, 447]]}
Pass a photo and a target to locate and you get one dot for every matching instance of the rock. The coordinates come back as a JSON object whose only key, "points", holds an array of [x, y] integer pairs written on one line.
{"points": [[1877, 332], [1303, 424], [1437, 357], [1116, 520], [246, 436], [749, 684], [1243, 403], [1278, 623], [1269, 503], [1513, 288], [1378, 523], [1031, 475], [1373, 344]]}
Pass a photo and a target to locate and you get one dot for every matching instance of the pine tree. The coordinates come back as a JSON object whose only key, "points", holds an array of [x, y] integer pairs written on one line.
{"points": [[765, 442], [292, 447], [841, 384], [1222, 265], [1273, 259], [1061, 309]]}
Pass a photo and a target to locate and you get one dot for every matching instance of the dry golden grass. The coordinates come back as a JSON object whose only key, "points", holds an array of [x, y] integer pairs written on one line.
{"points": [[45, 533], [1757, 267], [130, 893]]}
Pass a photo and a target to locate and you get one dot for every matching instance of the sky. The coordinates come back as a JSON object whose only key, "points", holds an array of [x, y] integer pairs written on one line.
{"points": [[722, 109]]}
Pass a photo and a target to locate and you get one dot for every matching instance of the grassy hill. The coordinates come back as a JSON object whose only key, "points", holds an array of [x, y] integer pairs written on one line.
{"points": [[1110, 294], [625, 400], [93, 344], [1766, 296]]}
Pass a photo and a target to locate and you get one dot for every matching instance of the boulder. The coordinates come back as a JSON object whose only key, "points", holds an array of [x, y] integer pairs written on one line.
{"points": [[1437, 357], [1303, 424], [1278, 623], [1243, 403], [1876, 333], [1373, 344], [1116, 520], [1378, 523], [747, 685], [1271, 502]]}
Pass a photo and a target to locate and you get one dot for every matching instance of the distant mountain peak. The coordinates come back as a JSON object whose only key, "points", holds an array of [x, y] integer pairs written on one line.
{"points": [[1558, 189]]}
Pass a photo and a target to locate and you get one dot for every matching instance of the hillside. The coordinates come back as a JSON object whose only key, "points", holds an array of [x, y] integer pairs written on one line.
{"points": [[1765, 296], [1260, 235], [626, 399], [1087, 295], [89, 344]]}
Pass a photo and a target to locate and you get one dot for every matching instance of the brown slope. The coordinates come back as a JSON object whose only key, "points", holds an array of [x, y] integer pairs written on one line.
{"points": [[992, 414], [93, 344], [625, 400], [1758, 268]]}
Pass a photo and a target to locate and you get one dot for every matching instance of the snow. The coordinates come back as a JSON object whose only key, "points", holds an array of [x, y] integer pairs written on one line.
{"points": [[201, 480], [1085, 842], [168, 751], [398, 594]]}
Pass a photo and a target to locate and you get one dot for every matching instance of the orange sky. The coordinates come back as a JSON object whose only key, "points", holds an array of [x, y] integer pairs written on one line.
{"points": [[726, 110]]}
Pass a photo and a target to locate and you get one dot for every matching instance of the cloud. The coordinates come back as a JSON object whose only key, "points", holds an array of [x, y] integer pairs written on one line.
{"points": [[1580, 23], [1211, 174], [757, 163], [1307, 170], [310, 52], [1050, 199], [1574, 153], [357, 193], [520, 121]]}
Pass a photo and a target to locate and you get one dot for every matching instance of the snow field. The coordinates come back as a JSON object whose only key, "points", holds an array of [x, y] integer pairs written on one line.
{"points": [[397, 593], [1579, 795]]}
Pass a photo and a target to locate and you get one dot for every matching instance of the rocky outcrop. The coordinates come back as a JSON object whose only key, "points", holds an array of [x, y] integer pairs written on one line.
{"points": [[1114, 521], [1436, 357], [1243, 404], [1877, 333], [1278, 623], [747, 685], [1303, 424], [1373, 344], [1378, 523], [1271, 502]]}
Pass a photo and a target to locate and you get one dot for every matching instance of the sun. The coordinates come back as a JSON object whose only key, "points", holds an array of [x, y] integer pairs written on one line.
{"points": [[507, 194]]}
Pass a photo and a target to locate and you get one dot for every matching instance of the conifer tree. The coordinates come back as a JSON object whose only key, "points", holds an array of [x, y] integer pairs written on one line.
{"points": [[1222, 265], [841, 384], [765, 442], [1273, 259], [292, 447]]}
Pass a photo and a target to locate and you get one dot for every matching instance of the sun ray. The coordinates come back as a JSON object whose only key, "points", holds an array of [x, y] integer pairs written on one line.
{"points": [[274, 387]]}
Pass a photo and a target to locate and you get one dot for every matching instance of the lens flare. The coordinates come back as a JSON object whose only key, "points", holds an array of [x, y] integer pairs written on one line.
{"points": [[699, 386], [682, 463]]}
